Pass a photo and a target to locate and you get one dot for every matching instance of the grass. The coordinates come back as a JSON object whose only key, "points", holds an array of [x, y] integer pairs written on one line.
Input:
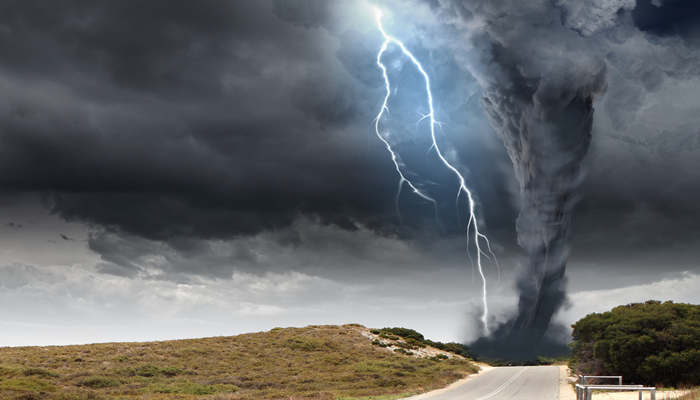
{"points": [[380, 397], [693, 395], [316, 362]]}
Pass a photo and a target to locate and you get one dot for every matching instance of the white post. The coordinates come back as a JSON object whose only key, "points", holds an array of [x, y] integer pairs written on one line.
{"points": [[653, 394], [588, 393]]}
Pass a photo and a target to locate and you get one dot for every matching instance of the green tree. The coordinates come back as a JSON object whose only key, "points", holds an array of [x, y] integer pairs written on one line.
{"points": [[647, 343]]}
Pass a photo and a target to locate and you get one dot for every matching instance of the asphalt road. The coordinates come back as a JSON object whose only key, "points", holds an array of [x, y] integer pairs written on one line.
{"points": [[501, 383]]}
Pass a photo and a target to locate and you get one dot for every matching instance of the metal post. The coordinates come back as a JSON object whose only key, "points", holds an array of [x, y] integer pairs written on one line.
{"points": [[653, 394], [620, 380], [588, 393], [640, 395]]}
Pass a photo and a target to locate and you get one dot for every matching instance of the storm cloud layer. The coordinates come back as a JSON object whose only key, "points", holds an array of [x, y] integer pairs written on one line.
{"points": [[168, 119], [213, 138]]}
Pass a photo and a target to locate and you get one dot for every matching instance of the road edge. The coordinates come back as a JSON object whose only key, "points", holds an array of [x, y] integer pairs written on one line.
{"points": [[483, 368], [566, 391]]}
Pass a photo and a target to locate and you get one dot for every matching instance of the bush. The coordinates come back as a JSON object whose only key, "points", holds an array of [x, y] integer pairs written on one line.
{"points": [[415, 340], [170, 371], [149, 370], [415, 343], [405, 333], [650, 343], [28, 396], [385, 335], [98, 382], [308, 344], [404, 345], [39, 372], [452, 347], [146, 370]]}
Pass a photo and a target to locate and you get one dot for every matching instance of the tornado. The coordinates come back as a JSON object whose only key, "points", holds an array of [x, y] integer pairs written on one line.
{"points": [[539, 80]]}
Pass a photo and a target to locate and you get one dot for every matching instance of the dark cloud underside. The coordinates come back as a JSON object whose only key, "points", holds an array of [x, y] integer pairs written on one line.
{"points": [[177, 122]]}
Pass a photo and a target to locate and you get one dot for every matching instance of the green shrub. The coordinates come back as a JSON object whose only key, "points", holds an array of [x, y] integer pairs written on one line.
{"points": [[385, 335], [452, 347], [98, 382], [170, 371], [404, 345], [146, 370], [26, 384], [304, 344], [650, 343], [7, 371], [193, 388], [415, 339], [405, 333], [149, 370], [39, 372], [415, 343], [28, 396]]}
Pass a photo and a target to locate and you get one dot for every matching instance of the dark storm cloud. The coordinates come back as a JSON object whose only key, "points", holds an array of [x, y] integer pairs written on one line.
{"points": [[170, 120], [179, 124], [306, 246], [174, 119], [667, 17]]}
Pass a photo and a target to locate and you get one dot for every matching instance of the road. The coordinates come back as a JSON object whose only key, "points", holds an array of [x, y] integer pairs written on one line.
{"points": [[501, 383]]}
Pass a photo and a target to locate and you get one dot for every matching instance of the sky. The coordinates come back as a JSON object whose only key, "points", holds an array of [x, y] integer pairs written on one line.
{"points": [[173, 169]]}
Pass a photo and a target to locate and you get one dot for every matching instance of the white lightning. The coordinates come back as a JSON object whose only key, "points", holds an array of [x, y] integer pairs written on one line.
{"points": [[477, 238], [394, 157]]}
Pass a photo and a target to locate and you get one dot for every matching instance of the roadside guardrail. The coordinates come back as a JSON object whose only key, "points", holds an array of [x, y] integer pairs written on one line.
{"points": [[583, 379], [585, 392]]}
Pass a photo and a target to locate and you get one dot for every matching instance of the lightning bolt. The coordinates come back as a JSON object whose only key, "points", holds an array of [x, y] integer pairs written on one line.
{"points": [[394, 157], [474, 235]]}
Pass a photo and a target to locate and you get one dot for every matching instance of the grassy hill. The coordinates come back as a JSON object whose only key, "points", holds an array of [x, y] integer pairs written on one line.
{"points": [[316, 362]]}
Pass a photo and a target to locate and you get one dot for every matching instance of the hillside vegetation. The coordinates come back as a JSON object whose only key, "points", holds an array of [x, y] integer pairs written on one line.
{"points": [[408, 339], [319, 362], [650, 343]]}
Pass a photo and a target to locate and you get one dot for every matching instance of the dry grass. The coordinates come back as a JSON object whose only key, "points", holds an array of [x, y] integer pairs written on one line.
{"points": [[693, 395], [316, 362]]}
